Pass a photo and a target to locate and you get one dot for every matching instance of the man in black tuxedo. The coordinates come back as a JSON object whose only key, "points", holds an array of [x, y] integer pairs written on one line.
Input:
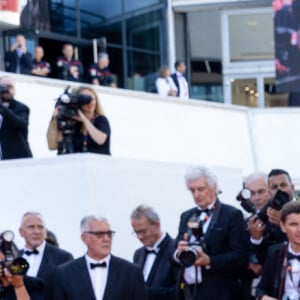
{"points": [[155, 257], [218, 234], [18, 59], [43, 258], [14, 128], [180, 80], [280, 276], [98, 275]]}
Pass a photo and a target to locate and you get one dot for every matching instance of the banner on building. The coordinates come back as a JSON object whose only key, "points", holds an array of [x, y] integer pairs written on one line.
{"points": [[286, 15], [9, 14]]}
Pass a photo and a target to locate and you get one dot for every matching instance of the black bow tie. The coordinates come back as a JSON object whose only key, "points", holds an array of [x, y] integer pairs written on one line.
{"points": [[202, 211], [292, 256], [98, 265], [29, 252], [150, 251]]}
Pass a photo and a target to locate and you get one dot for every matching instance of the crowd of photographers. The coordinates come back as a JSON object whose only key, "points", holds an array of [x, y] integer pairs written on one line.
{"points": [[218, 252]]}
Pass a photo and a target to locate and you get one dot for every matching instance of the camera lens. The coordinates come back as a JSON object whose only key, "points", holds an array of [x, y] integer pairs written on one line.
{"points": [[188, 257]]}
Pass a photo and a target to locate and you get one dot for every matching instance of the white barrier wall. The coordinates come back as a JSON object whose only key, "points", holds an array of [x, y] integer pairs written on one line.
{"points": [[66, 188], [148, 127]]}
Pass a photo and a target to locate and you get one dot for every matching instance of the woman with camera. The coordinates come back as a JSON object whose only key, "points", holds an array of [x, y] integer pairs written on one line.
{"points": [[91, 132]]}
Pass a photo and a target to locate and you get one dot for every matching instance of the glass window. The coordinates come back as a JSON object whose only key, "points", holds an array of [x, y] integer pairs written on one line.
{"points": [[144, 65], [144, 31], [131, 5], [103, 9], [272, 98], [244, 92], [63, 16], [112, 32], [246, 33]]}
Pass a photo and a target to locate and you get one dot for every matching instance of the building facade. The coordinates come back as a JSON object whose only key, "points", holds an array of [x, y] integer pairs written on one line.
{"points": [[228, 46]]}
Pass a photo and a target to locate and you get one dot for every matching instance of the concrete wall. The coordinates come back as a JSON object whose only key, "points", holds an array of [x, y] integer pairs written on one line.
{"points": [[148, 127]]}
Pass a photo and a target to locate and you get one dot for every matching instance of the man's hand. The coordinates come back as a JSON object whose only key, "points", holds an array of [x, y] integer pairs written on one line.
{"points": [[203, 259], [256, 228], [256, 268], [273, 215], [15, 280]]}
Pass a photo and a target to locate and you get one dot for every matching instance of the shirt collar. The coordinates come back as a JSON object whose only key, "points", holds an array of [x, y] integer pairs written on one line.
{"points": [[40, 248], [94, 261], [157, 243]]}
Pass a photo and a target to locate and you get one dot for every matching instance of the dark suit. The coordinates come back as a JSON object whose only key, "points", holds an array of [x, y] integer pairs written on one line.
{"points": [[161, 282], [12, 61], [274, 272], [227, 247], [124, 282], [14, 130], [52, 258]]}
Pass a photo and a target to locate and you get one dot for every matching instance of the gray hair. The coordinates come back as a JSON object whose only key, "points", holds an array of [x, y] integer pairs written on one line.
{"points": [[85, 222], [196, 172], [102, 55], [32, 213], [255, 176], [146, 211]]}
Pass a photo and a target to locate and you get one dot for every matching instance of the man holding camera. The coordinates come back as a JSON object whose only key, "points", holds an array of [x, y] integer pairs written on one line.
{"points": [[215, 234], [267, 232], [155, 257], [18, 59], [14, 128]]}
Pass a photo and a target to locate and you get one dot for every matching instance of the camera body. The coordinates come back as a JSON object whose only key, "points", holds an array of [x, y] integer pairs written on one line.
{"points": [[70, 103], [190, 255], [195, 230], [15, 264], [276, 202]]}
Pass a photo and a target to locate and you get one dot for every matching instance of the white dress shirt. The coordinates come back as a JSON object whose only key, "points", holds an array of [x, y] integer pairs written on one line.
{"points": [[292, 279], [98, 276], [34, 260], [190, 275], [150, 258]]}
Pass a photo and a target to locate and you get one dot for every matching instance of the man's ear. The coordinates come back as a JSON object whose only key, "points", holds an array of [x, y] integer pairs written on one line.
{"points": [[282, 226]]}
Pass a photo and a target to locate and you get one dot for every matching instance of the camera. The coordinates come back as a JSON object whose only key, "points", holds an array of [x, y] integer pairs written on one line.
{"points": [[70, 103], [276, 202], [190, 255], [15, 264]]}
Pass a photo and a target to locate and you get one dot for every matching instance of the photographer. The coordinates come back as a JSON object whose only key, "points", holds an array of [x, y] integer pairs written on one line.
{"points": [[214, 272], [18, 59], [14, 284], [14, 128], [266, 231], [91, 131]]}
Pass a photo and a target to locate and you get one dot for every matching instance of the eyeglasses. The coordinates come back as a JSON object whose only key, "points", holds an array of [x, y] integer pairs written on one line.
{"points": [[142, 232], [101, 234]]}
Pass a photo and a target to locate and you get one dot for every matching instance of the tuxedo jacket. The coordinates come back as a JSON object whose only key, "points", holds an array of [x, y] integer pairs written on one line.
{"points": [[227, 246], [12, 60], [274, 272], [14, 131], [52, 258], [161, 282], [125, 281]]}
